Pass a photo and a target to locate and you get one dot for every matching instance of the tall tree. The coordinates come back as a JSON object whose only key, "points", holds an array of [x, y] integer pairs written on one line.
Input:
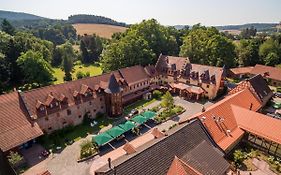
{"points": [[128, 51], [205, 45], [7, 27], [68, 57], [248, 52], [4, 72], [270, 51], [35, 68]]}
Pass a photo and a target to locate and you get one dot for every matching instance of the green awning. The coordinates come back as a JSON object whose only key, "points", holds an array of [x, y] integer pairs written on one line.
{"points": [[102, 139], [127, 126], [139, 119], [148, 114], [115, 131]]}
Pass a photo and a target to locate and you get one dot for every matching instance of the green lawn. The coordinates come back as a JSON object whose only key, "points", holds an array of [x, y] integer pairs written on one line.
{"points": [[138, 105], [73, 133], [93, 69]]}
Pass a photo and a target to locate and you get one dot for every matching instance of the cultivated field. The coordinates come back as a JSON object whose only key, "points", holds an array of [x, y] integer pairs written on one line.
{"points": [[101, 30]]}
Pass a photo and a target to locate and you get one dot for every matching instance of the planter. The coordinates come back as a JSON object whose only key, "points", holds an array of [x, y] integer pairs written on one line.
{"points": [[87, 158]]}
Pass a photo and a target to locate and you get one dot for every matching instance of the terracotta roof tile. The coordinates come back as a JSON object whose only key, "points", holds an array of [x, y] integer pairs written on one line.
{"points": [[134, 74], [15, 128], [271, 72], [157, 134], [219, 118], [151, 70], [130, 149], [241, 70], [165, 61], [258, 87], [179, 167], [259, 124]]}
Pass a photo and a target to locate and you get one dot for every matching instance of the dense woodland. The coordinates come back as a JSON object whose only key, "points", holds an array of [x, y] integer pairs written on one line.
{"points": [[93, 19], [27, 57]]}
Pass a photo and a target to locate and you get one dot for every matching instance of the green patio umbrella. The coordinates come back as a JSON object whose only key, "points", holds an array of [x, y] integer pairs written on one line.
{"points": [[115, 131], [102, 139], [148, 114], [139, 119], [128, 125]]}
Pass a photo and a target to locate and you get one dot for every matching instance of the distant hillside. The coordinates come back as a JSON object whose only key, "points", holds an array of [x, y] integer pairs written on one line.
{"points": [[18, 16], [102, 30], [93, 19], [259, 26]]}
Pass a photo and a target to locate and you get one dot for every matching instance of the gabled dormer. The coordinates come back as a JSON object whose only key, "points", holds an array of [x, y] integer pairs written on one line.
{"points": [[86, 91], [51, 102], [63, 99], [40, 107]]}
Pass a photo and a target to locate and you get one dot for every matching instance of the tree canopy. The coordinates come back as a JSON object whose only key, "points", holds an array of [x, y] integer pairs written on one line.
{"points": [[205, 45], [35, 68]]}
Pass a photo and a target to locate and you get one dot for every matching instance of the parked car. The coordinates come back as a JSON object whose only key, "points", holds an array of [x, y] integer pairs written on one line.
{"points": [[134, 111], [278, 94]]}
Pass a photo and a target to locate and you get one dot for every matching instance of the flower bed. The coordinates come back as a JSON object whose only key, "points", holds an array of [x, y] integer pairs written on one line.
{"points": [[88, 150], [169, 113]]}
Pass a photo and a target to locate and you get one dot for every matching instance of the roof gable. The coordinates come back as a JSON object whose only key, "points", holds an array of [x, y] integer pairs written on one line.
{"points": [[267, 71]]}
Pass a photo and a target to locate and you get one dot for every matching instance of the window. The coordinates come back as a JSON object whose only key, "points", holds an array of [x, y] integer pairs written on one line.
{"points": [[94, 110], [68, 112], [90, 103], [50, 128], [208, 86], [51, 105], [101, 107], [57, 103], [100, 99], [79, 116], [42, 108]]}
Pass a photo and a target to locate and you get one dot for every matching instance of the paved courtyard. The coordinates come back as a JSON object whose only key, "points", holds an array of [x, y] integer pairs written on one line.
{"points": [[65, 163]]}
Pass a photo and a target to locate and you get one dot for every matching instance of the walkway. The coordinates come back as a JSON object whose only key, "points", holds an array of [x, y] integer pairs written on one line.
{"points": [[263, 168]]}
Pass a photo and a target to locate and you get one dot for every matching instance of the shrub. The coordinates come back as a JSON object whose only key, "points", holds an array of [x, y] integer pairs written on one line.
{"points": [[80, 75], [14, 158], [239, 157], [87, 149], [87, 74], [157, 94]]}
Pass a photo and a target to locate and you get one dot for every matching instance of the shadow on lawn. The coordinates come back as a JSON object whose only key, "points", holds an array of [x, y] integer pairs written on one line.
{"points": [[70, 134]]}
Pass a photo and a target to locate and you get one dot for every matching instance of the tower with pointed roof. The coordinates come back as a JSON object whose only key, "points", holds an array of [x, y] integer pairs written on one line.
{"points": [[113, 97]]}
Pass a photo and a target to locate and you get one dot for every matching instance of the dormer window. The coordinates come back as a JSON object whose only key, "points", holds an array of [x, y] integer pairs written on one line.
{"points": [[42, 109], [51, 105], [57, 104]]}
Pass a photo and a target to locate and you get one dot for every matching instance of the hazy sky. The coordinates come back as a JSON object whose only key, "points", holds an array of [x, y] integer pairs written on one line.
{"points": [[167, 12]]}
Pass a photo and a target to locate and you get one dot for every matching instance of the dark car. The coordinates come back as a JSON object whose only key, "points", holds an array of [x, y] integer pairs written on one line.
{"points": [[134, 111], [278, 94]]}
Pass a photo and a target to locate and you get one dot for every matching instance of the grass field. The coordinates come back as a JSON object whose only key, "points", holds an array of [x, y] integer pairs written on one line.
{"points": [[93, 69], [101, 30]]}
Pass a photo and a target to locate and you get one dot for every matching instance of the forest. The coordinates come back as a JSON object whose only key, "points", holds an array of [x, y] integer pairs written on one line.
{"points": [[29, 57]]}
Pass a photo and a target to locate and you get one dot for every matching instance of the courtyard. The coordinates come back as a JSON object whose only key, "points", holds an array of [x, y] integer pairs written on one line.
{"points": [[65, 161]]}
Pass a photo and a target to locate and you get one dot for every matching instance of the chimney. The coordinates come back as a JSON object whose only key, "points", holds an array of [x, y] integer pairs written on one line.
{"points": [[109, 163], [251, 106], [228, 132]]}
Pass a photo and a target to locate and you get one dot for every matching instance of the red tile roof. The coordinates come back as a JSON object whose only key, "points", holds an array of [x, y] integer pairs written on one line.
{"points": [[157, 134], [15, 128], [165, 61], [271, 72], [129, 148], [219, 118], [241, 70], [258, 124], [71, 89], [134, 74], [178, 167]]}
